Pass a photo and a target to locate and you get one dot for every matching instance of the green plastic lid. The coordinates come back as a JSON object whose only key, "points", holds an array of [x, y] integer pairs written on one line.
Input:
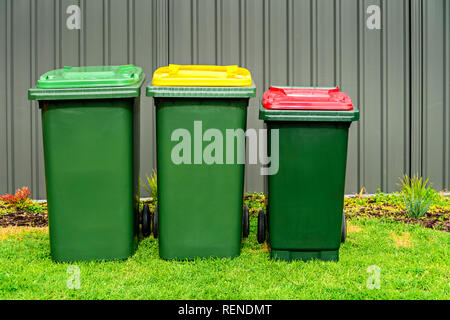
{"points": [[90, 76]]}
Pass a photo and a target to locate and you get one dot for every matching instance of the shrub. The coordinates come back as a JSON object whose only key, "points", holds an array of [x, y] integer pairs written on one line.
{"points": [[152, 186], [417, 195], [255, 201], [20, 201]]}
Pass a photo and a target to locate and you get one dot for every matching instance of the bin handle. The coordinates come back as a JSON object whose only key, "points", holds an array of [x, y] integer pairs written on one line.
{"points": [[329, 89], [277, 89], [125, 69], [232, 71], [174, 68]]}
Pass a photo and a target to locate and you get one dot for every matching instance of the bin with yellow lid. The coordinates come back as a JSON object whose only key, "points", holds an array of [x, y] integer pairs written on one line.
{"points": [[201, 115]]}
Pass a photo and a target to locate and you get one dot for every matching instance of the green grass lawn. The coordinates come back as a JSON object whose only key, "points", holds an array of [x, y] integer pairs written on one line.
{"points": [[414, 263]]}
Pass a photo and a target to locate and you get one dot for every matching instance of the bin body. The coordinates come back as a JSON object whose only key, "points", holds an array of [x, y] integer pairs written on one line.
{"points": [[305, 197], [199, 200], [91, 154]]}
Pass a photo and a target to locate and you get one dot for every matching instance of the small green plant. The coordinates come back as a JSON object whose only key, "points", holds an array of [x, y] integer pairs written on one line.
{"points": [[152, 186], [417, 195]]}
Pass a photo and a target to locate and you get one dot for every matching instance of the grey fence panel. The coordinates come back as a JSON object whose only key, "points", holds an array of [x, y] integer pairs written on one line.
{"points": [[206, 31], [93, 25], [349, 75], [254, 46], [68, 41], [397, 89], [4, 127], [436, 85], [400, 85], [19, 106], [371, 84], [45, 59], [181, 33], [446, 137], [4, 86], [376, 77], [384, 90], [324, 43], [300, 49], [144, 55], [228, 32], [118, 32], [327, 43]]}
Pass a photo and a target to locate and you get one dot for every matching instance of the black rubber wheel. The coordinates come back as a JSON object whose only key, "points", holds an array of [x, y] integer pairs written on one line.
{"points": [[245, 222], [146, 221], [344, 229], [261, 234], [155, 223]]}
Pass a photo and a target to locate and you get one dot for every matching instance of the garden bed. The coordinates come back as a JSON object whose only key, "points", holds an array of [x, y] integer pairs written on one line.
{"points": [[390, 207], [380, 206], [23, 218]]}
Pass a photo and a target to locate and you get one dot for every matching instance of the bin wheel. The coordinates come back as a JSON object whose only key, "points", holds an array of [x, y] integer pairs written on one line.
{"points": [[261, 234], [344, 229], [155, 223], [245, 222], [146, 226]]}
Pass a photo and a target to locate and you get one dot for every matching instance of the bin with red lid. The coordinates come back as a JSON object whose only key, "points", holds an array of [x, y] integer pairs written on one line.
{"points": [[304, 217]]}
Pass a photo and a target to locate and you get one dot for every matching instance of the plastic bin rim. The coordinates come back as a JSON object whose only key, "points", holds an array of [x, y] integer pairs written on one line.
{"points": [[308, 115], [79, 93], [201, 92]]}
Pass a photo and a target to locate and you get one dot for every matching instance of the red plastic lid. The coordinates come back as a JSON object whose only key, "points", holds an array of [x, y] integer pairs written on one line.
{"points": [[307, 99]]}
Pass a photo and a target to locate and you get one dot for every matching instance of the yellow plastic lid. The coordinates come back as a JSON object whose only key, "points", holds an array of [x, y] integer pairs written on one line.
{"points": [[201, 76]]}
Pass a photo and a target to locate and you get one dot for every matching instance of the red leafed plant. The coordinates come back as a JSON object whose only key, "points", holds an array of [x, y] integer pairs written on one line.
{"points": [[19, 200]]}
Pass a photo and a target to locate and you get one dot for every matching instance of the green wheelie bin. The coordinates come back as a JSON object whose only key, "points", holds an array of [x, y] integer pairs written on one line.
{"points": [[90, 126], [304, 218], [200, 173]]}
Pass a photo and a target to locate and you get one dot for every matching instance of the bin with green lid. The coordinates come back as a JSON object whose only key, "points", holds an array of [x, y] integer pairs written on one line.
{"points": [[200, 209], [90, 126], [305, 217]]}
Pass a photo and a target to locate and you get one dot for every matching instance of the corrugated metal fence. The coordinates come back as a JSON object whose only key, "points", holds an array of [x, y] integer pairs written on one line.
{"points": [[399, 75]]}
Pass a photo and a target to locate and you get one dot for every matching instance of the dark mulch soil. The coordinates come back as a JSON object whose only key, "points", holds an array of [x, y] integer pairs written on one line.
{"points": [[24, 219], [438, 219]]}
